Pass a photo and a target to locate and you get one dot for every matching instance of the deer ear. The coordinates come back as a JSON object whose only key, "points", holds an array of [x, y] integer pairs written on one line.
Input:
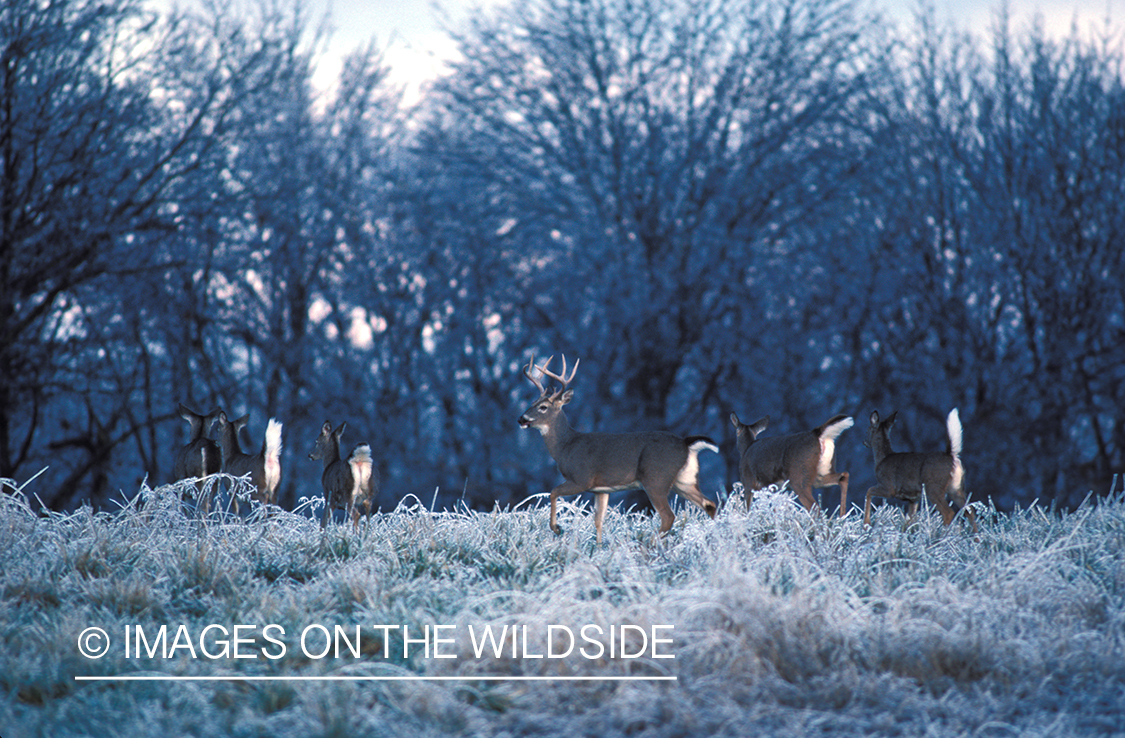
{"points": [[760, 426], [340, 431], [734, 420], [874, 417], [891, 420], [566, 397]]}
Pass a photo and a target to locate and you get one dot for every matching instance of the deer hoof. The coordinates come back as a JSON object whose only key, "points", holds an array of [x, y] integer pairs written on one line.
{"points": [[557, 530]]}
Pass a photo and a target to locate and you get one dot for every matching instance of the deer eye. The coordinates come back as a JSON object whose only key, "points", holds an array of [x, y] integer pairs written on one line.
{"points": [[543, 407]]}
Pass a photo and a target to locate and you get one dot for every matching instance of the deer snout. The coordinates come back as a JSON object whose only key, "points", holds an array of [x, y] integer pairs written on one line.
{"points": [[525, 422]]}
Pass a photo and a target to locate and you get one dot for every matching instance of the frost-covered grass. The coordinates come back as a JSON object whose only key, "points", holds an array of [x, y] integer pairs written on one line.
{"points": [[784, 623]]}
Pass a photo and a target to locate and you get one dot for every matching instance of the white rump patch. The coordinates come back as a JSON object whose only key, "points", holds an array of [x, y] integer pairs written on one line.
{"points": [[828, 444], [360, 462], [827, 450], [690, 471], [958, 474], [689, 474]]}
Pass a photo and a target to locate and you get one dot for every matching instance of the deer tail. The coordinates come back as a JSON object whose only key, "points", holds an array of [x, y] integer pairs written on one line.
{"points": [[271, 454], [831, 430], [696, 444], [953, 426]]}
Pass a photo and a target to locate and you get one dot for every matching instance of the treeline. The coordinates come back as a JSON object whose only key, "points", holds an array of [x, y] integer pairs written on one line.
{"points": [[788, 207]]}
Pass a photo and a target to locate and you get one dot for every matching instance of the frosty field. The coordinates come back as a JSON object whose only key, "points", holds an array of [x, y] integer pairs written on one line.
{"points": [[772, 622]]}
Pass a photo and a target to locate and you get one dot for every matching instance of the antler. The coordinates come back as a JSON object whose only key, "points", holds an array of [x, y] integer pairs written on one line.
{"points": [[545, 372], [563, 380], [527, 373]]}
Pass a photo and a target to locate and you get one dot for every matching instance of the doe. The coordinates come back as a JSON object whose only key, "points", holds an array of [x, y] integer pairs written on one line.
{"points": [[348, 484], [806, 459], [904, 476], [263, 467]]}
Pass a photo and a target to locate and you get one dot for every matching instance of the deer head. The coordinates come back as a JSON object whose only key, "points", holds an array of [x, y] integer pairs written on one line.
{"points": [[327, 445], [543, 412]]}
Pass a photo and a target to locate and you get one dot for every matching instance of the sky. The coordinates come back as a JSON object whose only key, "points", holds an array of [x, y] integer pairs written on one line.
{"points": [[410, 30]]}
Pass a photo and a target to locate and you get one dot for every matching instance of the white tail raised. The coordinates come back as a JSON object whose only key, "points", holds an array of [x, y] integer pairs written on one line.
{"points": [[609, 462]]}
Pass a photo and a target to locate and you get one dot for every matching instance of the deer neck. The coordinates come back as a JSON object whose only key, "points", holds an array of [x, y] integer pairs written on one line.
{"points": [[331, 455], [880, 446], [228, 443], [744, 443], [558, 434]]}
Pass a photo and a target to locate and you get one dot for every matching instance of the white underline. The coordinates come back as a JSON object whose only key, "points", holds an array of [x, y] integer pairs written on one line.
{"points": [[483, 678]]}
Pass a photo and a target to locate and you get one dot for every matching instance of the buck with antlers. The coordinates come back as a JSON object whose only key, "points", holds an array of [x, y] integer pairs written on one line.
{"points": [[904, 476], [806, 459], [609, 462]]}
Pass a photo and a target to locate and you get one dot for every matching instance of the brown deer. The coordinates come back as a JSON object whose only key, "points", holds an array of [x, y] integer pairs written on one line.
{"points": [[806, 459], [201, 456], [347, 484], [904, 476], [609, 462], [263, 467]]}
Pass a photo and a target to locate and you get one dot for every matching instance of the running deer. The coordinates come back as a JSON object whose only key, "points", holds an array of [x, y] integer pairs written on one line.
{"points": [[201, 456], [263, 467], [611, 462], [347, 484], [904, 476], [806, 459]]}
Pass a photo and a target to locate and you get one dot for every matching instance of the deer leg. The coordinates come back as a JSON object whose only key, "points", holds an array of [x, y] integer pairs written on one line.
{"points": [[872, 492], [566, 488], [657, 491], [748, 487], [843, 482], [959, 502], [937, 498], [804, 487], [601, 503], [911, 511], [202, 501]]}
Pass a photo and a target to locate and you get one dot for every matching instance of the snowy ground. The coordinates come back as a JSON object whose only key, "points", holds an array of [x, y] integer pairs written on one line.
{"points": [[771, 622]]}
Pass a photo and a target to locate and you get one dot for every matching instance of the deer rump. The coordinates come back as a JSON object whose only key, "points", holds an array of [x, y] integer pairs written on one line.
{"points": [[351, 483]]}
